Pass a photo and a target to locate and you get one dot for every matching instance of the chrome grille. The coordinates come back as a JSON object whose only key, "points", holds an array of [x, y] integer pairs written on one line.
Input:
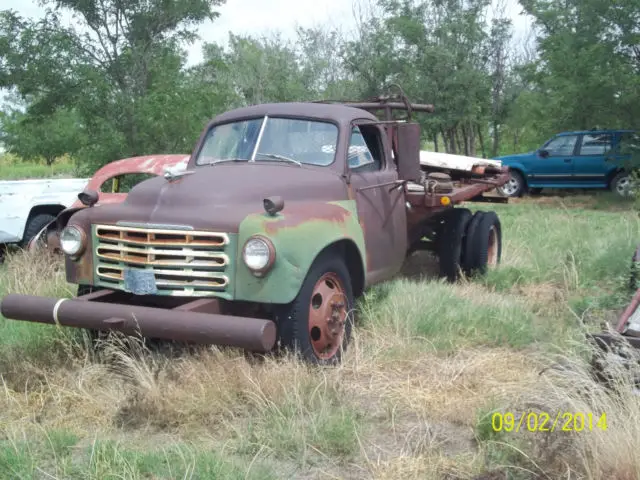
{"points": [[184, 262]]}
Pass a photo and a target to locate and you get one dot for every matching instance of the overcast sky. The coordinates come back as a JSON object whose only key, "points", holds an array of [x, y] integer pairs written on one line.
{"points": [[265, 16]]}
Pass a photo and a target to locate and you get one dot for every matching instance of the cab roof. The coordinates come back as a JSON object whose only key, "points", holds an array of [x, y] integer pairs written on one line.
{"points": [[339, 113]]}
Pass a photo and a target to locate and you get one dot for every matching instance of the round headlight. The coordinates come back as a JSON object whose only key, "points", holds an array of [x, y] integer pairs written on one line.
{"points": [[71, 240], [258, 254]]}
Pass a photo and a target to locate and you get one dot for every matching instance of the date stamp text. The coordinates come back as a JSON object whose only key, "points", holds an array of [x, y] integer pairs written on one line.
{"points": [[545, 422]]}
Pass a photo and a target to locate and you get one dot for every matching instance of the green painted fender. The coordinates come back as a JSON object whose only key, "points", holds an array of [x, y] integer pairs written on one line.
{"points": [[299, 233]]}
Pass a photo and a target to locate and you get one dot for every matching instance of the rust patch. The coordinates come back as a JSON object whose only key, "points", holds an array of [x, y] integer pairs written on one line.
{"points": [[296, 215]]}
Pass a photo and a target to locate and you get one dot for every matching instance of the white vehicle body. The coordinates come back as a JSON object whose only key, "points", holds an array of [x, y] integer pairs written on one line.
{"points": [[454, 162], [20, 200], [449, 162]]}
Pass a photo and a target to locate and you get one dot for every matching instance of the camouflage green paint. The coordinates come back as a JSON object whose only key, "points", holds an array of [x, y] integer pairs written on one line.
{"points": [[227, 293], [299, 233]]}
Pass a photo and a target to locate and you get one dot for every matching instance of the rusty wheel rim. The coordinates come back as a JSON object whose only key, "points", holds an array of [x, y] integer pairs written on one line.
{"points": [[492, 252], [327, 316]]}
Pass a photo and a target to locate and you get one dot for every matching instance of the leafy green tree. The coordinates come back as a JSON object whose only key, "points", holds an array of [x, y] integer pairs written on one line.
{"points": [[121, 68], [586, 75], [48, 136]]}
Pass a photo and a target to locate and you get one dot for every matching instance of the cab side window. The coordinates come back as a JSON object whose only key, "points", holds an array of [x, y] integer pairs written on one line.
{"points": [[365, 149]]}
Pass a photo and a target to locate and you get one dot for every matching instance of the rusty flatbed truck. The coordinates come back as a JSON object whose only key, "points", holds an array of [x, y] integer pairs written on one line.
{"points": [[284, 215]]}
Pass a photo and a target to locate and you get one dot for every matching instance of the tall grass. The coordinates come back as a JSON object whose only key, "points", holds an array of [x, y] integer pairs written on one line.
{"points": [[427, 362]]}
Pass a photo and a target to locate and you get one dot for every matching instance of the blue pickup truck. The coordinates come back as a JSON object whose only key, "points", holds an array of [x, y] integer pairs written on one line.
{"points": [[583, 159]]}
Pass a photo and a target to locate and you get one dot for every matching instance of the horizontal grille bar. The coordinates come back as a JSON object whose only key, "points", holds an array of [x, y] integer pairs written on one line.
{"points": [[170, 278], [161, 237], [184, 257]]}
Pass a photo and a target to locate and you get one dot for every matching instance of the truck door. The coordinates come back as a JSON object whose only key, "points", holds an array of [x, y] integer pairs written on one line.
{"points": [[381, 212], [590, 166]]}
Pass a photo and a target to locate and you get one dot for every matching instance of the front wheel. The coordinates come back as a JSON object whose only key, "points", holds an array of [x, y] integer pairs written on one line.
{"points": [[514, 187], [317, 324]]}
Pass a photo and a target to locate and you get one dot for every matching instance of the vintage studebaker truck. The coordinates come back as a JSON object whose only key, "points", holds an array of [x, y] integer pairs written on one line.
{"points": [[284, 215]]}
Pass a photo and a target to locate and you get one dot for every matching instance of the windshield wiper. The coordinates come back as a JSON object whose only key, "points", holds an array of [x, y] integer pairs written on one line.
{"points": [[223, 160], [280, 157]]}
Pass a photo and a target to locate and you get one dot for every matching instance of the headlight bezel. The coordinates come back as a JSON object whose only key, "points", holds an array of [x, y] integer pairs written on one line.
{"points": [[259, 272], [83, 241]]}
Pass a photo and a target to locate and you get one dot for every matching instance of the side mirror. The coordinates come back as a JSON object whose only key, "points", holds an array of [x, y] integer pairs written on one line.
{"points": [[88, 197], [407, 148], [543, 153]]}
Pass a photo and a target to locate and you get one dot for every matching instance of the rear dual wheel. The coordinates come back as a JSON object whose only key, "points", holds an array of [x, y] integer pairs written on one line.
{"points": [[468, 243]]}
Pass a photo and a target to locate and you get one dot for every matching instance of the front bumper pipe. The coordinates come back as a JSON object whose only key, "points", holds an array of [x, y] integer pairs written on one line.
{"points": [[252, 334]]}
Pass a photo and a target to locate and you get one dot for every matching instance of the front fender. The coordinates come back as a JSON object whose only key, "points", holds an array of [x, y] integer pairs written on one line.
{"points": [[520, 168], [299, 233]]}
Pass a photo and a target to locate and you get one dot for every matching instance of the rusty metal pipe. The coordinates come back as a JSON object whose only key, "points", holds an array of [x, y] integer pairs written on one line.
{"points": [[252, 334], [416, 107]]}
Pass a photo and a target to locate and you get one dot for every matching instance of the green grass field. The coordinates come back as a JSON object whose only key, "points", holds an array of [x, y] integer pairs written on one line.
{"points": [[428, 366], [13, 168]]}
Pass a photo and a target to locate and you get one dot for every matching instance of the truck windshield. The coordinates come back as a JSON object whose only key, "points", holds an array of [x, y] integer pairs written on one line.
{"points": [[272, 139]]}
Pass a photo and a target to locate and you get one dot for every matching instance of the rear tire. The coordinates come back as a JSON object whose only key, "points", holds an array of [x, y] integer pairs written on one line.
{"points": [[621, 184], [483, 247], [450, 241], [317, 324], [34, 225]]}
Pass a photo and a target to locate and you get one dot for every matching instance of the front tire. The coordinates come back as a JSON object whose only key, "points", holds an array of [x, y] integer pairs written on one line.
{"points": [[317, 324], [514, 187]]}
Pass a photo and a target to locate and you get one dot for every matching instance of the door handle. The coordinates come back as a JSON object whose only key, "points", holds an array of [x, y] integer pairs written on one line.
{"points": [[567, 160]]}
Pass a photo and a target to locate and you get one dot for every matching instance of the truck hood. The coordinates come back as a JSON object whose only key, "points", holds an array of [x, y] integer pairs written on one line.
{"points": [[219, 196]]}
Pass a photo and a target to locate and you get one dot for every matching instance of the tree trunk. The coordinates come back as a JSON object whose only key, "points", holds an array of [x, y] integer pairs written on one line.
{"points": [[465, 139], [50, 160], [472, 140], [445, 138], [496, 139], [435, 141], [456, 134], [451, 133], [484, 154]]}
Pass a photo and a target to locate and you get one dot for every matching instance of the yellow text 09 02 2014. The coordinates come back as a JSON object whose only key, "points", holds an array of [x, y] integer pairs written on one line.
{"points": [[548, 422]]}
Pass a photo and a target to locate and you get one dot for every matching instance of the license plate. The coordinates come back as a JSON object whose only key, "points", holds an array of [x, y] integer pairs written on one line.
{"points": [[140, 282]]}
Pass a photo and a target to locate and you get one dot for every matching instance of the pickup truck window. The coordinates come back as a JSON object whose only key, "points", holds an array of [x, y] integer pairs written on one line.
{"points": [[596, 144], [278, 139], [561, 146]]}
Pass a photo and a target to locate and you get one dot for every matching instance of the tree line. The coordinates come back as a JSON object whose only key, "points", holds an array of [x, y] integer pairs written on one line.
{"points": [[117, 84]]}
